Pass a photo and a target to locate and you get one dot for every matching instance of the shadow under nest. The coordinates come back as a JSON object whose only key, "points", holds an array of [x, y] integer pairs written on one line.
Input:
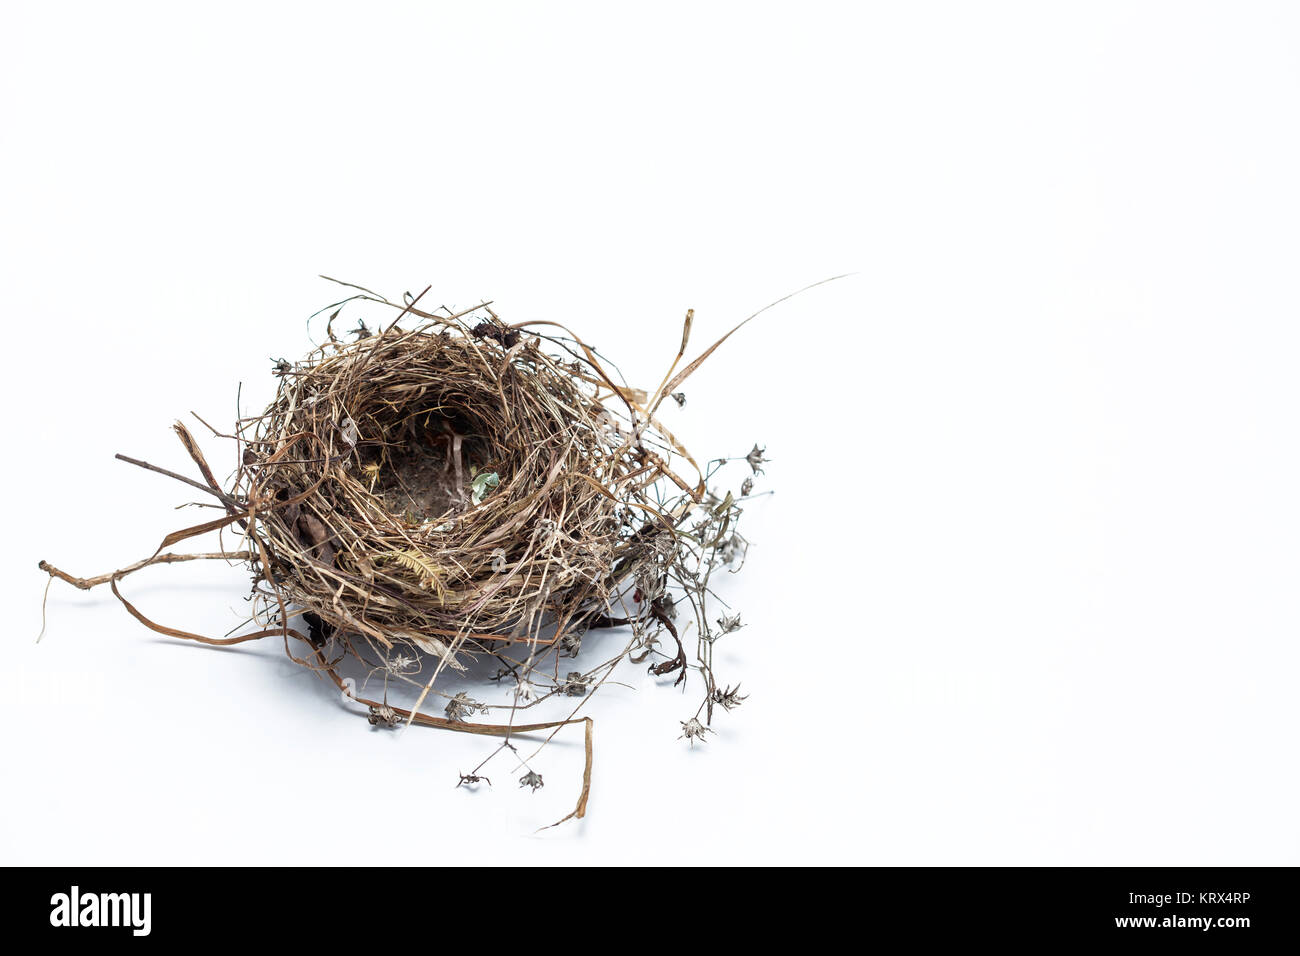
{"points": [[461, 489]]}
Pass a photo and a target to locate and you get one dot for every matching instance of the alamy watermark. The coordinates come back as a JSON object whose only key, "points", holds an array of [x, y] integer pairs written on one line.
{"points": [[102, 909]]}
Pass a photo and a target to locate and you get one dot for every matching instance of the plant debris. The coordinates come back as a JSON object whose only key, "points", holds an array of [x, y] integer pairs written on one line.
{"points": [[445, 489]]}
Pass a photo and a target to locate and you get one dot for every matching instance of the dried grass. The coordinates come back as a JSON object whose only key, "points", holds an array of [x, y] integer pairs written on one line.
{"points": [[451, 488]]}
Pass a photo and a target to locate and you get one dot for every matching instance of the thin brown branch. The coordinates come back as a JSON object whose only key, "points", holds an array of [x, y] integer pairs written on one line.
{"points": [[86, 584]]}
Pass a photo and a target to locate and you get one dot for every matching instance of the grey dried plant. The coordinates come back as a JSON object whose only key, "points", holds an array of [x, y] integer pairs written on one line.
{"points": [[693, 730], [461, 707]]}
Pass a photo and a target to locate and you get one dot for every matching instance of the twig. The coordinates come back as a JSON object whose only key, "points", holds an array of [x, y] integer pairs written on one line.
{"points": [[171, 474], [86, 584]]}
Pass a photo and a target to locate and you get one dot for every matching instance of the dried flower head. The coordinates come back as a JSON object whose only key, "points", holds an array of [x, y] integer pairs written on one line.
{"points": [[731, 549], [383, 716], [679, 398], [756, 459], [693, 728], [729, 623], [746, 486], [574, 685], [728, 698], [571, 643], [401, 664], [462, 706], [532, 779]]}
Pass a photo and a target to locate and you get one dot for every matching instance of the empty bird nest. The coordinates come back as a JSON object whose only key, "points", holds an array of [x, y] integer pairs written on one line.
{"points": [[446, 489]]}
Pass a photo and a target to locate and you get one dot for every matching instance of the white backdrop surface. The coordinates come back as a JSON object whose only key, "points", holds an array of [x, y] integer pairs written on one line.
{"points": [[1025, 592]]}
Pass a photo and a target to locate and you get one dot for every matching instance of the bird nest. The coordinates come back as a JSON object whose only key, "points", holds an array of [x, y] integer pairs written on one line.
{"points": [[448, 488]]}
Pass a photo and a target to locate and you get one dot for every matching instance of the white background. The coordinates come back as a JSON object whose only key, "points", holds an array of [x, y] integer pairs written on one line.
{"points": [[1026, 592]]}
